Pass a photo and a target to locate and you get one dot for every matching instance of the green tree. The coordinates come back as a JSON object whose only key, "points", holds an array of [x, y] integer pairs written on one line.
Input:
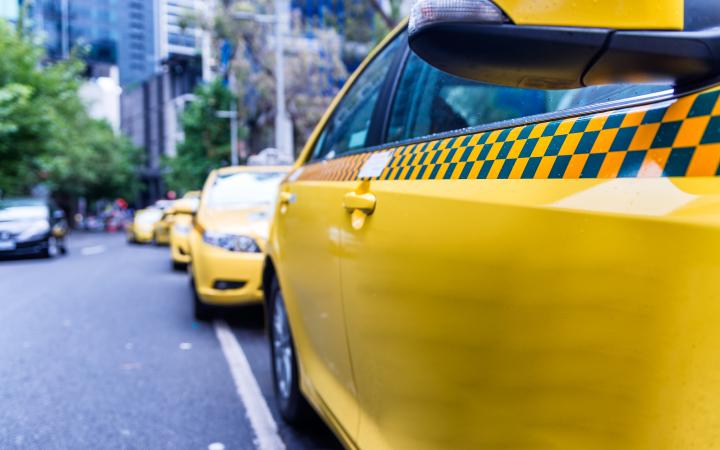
{"points": [[207, 139], [46, 135]]}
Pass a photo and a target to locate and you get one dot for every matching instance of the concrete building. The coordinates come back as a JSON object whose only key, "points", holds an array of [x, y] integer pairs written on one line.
{"points": [[9, 10], [150, 111], [101, 95]]}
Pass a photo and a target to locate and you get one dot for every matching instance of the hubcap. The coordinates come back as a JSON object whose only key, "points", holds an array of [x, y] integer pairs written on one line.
{"points": [[282, 348]]}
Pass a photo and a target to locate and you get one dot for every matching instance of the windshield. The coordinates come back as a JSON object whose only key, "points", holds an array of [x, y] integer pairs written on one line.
{"points": [[241, 190], [149, 217], [21, 210]]}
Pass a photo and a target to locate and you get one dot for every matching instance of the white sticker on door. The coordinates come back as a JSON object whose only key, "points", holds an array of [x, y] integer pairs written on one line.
{"points": [[375, 164]]}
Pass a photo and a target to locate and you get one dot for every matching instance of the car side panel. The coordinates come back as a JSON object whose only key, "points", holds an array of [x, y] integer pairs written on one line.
{"points": [[306, 250], [574, 305]]}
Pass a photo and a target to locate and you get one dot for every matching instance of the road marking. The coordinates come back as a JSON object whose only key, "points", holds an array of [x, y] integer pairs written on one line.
{"points": [[256, 408], [94, 250]]}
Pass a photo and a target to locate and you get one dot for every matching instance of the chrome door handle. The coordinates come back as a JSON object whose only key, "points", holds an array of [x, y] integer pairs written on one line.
{"points": [[359, 202], [286, 198]]}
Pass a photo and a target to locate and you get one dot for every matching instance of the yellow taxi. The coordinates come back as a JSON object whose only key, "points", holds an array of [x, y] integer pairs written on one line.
{"points": [[505, 233], [142, 229], [183, 212], [161, 229], [227, 241]]}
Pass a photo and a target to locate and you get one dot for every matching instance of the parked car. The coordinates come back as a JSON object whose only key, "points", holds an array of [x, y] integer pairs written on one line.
{"points": [[142, 228], [228, 238], [184, 210], [161, 229], [520, 250], [32, 227]]}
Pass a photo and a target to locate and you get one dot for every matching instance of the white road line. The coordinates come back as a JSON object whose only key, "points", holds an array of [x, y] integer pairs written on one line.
{"points": [[94, 250], [248, 389]]}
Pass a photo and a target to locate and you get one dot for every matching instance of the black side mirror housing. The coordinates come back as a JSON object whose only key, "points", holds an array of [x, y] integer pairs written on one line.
{"points": [[565, 58]]}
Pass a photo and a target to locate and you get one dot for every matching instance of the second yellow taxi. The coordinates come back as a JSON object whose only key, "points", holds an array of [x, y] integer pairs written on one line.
{"points": [[227, 241], [183, 212]]}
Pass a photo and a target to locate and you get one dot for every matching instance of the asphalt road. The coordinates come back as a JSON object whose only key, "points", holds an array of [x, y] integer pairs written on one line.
{"points": [[98, 349]]}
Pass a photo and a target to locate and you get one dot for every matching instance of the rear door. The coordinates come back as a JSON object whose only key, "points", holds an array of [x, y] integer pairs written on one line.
{"points": [[308, 237], [543, 281]]}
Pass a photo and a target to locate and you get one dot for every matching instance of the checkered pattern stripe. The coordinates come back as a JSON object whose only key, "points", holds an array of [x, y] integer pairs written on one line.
{"points": [[676, 139]]}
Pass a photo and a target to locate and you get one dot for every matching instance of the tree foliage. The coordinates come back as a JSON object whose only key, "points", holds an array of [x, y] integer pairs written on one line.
{"points": [[46, 135], [314, 71], [207, 139]]}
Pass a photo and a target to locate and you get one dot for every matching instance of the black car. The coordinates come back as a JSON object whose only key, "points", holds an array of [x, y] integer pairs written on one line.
{"points": [[31, 227]]}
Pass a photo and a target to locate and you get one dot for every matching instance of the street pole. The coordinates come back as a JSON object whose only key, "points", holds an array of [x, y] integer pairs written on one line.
{"points": [[283, 126], [233, 116], [284, 141], [234, 160]]}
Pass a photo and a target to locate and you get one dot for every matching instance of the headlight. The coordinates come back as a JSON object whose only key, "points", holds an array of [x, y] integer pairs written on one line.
{"points": [[36, 230], [231, 242], [181, 229]]}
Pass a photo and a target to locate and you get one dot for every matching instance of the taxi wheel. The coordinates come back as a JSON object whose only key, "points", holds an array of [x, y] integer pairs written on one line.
{"points": [[293, 406], [178, 266]]}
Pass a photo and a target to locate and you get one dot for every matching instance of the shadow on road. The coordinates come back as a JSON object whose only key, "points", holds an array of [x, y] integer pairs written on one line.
{"points": [[248, 317]]}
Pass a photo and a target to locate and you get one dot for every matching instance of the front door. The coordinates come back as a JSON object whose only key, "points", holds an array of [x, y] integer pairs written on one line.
{"points": [[309, 236]]}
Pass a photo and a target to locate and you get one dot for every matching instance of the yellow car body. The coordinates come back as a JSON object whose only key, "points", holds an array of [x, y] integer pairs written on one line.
{"points": [[179, 245], [179, 231], [142, 228], [546, 285], [162, 228], [222, 277]]}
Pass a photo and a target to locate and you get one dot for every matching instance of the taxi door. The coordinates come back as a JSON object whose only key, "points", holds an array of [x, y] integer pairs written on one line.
{"points": [[535, 284], [308, 238]]}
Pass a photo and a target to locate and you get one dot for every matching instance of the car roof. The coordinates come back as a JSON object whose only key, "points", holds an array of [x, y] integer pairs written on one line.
{"points": [[252, 169]]}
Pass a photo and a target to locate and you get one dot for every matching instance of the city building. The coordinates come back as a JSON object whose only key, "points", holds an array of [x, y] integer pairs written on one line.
{"points": [[137, 52], [9, 10], [150, 111], [88, 26]]}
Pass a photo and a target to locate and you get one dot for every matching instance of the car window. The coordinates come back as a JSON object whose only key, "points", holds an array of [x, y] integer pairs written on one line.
{"points": [[430, 101], [348, 128], [244, 189]]}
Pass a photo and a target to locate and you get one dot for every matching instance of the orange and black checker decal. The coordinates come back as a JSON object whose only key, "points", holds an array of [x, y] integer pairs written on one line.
{"points": [[678, 138]]}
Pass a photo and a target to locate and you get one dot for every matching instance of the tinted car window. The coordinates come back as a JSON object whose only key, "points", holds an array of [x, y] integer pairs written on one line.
{"points": [[429, 101], [348, 127]]}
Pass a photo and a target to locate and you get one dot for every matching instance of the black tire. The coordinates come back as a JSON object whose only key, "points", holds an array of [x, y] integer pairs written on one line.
{"points": [[201, 311], [292, 404], [52, 249], [178, 266]]}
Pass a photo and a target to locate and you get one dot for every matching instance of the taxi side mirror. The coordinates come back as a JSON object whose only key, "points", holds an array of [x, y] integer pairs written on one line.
{"points": [[482, 44]]}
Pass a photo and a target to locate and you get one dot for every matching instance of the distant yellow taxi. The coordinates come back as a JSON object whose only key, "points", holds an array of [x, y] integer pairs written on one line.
{"points": [[142, 228], [509, 237], [183, 212], [227, 241], [161, 229]]}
